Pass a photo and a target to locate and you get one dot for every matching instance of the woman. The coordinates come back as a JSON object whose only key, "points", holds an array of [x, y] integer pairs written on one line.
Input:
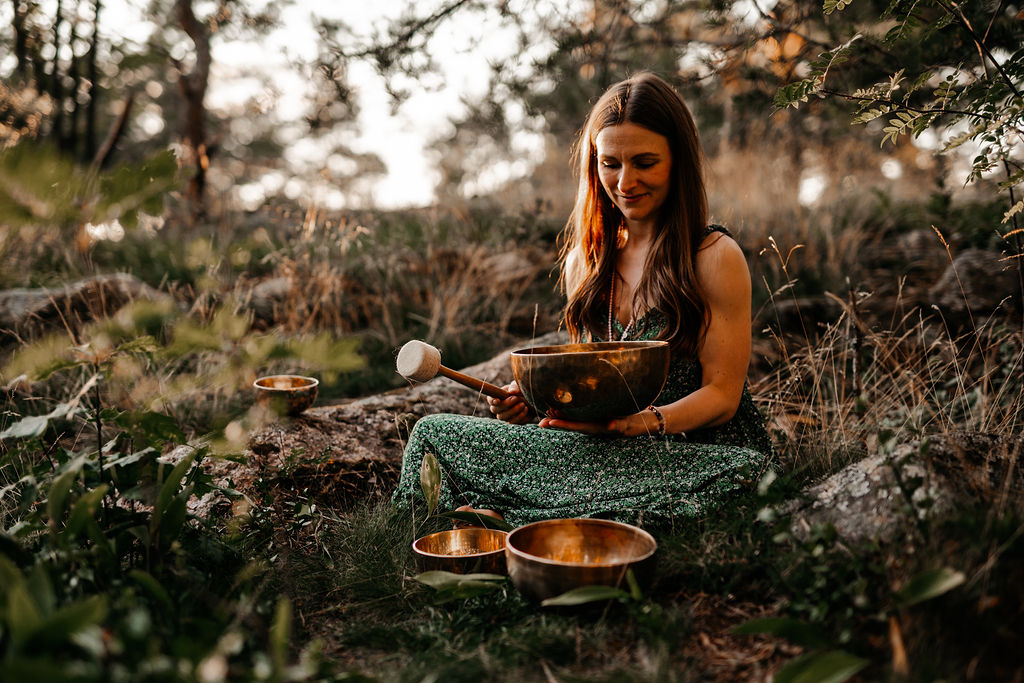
{"points": [[640, 262]]}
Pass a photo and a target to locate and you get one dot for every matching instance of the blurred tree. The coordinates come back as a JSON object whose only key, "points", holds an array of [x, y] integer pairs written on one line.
{"points": [[105, 86], [192, 84], [729, 59], [930, 65]]}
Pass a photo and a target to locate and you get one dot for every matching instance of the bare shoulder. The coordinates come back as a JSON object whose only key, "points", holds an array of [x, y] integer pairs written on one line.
{"points": [[720, 256]]}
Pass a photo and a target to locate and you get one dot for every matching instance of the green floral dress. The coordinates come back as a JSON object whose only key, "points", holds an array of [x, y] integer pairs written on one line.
{"points": [[529, 473]]}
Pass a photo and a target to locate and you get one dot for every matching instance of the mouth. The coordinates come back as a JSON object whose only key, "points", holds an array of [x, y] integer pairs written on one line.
{"points": [[631, 199]]}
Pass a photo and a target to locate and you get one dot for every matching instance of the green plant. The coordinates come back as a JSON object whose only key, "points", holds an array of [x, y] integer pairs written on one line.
{"points": [[961, 67], [49, 202]]}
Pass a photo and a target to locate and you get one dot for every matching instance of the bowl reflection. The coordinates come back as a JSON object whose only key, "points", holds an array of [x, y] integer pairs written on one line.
{"points": [[462, 551], [287, 394], [551, 557], [595, 381]]}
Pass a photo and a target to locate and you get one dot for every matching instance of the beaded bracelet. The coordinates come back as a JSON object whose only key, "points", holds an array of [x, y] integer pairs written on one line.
{"points": [[661, 419]]}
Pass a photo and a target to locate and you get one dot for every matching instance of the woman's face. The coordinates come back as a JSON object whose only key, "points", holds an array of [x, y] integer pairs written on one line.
{"points": [[634, 164]]}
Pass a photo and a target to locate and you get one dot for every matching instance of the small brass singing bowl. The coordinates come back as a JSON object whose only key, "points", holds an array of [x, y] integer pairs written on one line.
{"points": [[594, 381], [548, 558], [287, 394], [469, 550]]}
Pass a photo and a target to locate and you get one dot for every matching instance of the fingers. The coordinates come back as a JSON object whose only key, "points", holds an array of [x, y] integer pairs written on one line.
{"points": [[512, 409], [574, 426]]}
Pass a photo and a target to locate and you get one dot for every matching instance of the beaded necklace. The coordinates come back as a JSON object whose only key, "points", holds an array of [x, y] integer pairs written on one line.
{"points": [[611, 314]]}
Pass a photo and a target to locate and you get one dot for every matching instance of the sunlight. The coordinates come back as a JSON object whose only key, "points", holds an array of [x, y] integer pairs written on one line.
{"points": [[812, 186]]}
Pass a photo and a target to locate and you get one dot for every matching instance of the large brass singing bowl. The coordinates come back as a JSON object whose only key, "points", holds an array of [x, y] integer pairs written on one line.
{"points": [[552, 557], [462, 551], [595, 381]]}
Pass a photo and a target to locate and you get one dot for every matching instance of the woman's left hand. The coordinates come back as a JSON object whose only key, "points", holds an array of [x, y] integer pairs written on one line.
{"points": [[631, 425]]}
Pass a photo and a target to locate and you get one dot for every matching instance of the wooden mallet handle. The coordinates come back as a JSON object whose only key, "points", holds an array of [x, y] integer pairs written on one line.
{"points": [[474, 383]]}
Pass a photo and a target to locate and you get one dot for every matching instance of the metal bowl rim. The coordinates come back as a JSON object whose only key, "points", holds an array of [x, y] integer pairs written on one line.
{"points": [[484, 553], [561, 563], [310, 383], [612, 346]]}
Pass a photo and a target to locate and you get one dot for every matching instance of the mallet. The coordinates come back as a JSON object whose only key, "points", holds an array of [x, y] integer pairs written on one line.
{"points": [[420, 362]]}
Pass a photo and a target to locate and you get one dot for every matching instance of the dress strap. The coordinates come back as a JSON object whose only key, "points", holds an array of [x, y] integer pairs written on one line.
{"points": [[715, 227]]}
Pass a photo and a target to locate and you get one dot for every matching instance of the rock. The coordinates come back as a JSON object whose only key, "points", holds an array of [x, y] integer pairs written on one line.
{"points": [[867, 500], [266, 298], [975, 285], [341, 453], [794, 316], [27, 311]]}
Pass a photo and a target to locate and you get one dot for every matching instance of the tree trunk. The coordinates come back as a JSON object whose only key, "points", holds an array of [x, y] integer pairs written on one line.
{"points": [[56, 86], [69, 141], [192, 86], [20, 39], [94, 92]]}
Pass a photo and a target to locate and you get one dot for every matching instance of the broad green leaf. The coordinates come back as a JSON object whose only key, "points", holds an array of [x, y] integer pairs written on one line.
{"points": [[834, 666], [280, 633], [132, 458], [440, 579], [40, 588], [153, 588], [22, 612], [174, 517], [486, 521], [70, 619], [586, 594], [56, 501], [927, 585], [169, 489], [793, 630], [449, 586], [84, 509], [634, 586], [27, 427], [430, 481]]}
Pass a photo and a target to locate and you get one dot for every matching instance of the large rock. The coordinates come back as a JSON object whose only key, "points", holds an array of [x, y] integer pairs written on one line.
{"points": [[884, 496], [343, 452], [25, 311], [975, 285]]}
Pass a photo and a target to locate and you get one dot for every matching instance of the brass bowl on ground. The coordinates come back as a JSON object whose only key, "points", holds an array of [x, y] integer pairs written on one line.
{"points": [[554, 556], [287, 394], [595, 381], [467, 550]]}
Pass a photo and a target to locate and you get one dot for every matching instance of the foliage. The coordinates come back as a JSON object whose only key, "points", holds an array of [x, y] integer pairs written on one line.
{"points": [[48, 201], [103, 560], [961, 70], [106, 573]]}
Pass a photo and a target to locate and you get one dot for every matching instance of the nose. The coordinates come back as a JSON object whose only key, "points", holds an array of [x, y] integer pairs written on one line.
{"points": [[627, 179]]}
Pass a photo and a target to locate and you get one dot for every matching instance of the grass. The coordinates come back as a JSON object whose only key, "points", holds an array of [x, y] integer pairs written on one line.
{"points": [[879, 369], [368, 608]]}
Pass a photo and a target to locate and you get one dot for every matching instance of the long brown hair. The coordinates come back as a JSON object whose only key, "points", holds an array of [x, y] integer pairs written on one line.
{"points": [[669, 281]]}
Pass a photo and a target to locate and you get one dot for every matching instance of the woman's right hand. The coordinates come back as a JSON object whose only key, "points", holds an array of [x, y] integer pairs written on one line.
{"points": [[513, 409]]}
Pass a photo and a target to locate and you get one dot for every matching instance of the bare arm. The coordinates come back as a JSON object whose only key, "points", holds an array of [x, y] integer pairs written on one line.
{"points": [[724, 353]]}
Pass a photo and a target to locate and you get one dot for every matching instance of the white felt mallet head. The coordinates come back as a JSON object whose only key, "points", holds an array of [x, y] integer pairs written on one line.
{"points": [[421, 362], [418, 361]]}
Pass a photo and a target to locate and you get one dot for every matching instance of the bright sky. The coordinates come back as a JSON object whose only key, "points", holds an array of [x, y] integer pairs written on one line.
{"points": [[399, 139]]}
